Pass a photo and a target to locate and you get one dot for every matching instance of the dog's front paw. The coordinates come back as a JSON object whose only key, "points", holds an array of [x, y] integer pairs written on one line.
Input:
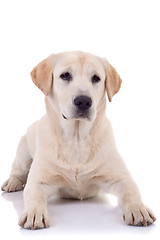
{"points": [[138, 215], [12, 184], [34, 219]]}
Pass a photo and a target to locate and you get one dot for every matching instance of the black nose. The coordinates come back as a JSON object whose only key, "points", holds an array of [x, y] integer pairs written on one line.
{"points": [[83, 102]]}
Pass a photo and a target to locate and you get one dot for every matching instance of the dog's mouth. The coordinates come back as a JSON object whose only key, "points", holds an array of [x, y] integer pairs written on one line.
{"points": [[64, 116], [79, 116]]}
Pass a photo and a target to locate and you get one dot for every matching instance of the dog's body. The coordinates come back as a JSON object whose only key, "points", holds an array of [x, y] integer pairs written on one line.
{"points": [[71, 150]]}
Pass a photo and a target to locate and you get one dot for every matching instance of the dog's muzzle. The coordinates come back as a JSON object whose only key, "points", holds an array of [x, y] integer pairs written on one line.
{"points": [[83, 103], [83, 106]]}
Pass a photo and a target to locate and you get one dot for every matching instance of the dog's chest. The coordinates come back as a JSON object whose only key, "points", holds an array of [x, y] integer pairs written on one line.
{"points": [[78, 164], [79, 170], [79, 183], [74, 152]]}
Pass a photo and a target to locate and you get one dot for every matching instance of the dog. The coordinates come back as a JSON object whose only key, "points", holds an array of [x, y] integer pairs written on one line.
{"points": [[71, 150]]}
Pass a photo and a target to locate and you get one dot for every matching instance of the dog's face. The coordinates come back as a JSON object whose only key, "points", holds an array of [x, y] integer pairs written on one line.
{"points": [[75, 83], [78, 85]]}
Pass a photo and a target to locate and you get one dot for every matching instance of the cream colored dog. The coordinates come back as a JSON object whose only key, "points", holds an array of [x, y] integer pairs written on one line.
{"points": [[71, 151]]}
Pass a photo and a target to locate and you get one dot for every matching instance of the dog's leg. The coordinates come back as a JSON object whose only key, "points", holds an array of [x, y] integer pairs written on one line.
{"points": [[35, 215], [43, 181], [20, 168], [134, 211]]}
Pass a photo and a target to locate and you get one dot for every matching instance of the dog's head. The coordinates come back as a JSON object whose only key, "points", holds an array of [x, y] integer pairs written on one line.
{"points": [[75, 83]]}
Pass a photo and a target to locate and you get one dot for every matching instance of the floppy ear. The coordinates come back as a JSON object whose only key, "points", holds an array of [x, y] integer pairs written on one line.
{"points": [[42, 74], [113, 80]]}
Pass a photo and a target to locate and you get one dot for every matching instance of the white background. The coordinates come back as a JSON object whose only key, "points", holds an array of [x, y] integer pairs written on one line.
{"points": [[128, 34]]}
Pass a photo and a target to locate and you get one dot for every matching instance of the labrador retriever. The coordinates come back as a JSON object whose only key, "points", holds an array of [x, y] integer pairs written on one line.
{"points": [[71, 150]]}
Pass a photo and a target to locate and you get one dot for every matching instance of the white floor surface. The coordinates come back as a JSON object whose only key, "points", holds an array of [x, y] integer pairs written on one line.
{"points": [[70, 219]]}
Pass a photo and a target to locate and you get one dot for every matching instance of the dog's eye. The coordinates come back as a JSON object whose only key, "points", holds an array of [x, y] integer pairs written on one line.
{"points": [[66, 76], [95, 79]]}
